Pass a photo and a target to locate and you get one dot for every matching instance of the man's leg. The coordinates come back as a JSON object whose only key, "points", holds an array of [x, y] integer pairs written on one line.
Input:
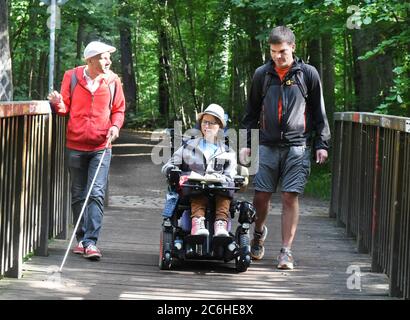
{"points": [[265, 182], [78, 168], [261, 202], [294, 178], [290, 217], [95, 209]]}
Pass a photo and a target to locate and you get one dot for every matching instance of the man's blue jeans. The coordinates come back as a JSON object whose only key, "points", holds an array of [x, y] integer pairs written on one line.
{"points": [[83, 166]]}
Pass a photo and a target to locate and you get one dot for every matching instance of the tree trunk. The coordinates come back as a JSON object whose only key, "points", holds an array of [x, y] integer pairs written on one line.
{"points": [[163, 81], [163, 62], [188, 72], [80, 40], [42, 79], [127, 66], [328, 79], [315, 55], [372, 76], [128, 75], [136, 63], [247, 56], [193, 39], [236, 103], [348, 67], [345, 76], [31, 56], [253, 29], [6, 83]]}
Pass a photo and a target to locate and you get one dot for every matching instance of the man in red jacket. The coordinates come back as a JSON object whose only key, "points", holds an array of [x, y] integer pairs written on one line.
{"points": [[93, 97]]}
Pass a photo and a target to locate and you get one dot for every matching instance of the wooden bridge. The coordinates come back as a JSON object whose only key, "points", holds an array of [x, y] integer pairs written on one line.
{"points": [[355, 247]]}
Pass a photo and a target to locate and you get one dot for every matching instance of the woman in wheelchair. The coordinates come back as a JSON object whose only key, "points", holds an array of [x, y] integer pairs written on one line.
{"points": [[209, 157]]}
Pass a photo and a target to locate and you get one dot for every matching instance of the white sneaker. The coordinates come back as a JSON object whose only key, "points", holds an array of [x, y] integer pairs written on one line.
{"points": [[198, 227], [221, 228], [285, 259]]}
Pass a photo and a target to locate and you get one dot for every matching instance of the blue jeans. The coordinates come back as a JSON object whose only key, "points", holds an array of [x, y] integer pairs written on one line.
{"points": [[83, 166]]}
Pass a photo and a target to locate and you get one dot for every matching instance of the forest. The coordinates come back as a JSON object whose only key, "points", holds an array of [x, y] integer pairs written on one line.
{"points": [[176, 57]]}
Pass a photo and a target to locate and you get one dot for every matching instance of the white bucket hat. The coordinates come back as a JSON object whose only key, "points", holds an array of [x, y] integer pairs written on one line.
{"points": [[96, 47], [214, 110]]}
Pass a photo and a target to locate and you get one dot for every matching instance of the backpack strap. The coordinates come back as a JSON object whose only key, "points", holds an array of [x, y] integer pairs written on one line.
{"points": [[112, 86], [266, 84], [299, 78], [300, 81], [73, 82]]}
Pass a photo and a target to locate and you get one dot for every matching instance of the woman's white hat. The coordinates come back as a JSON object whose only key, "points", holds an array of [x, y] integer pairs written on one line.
{"points": [[214, 110], [97, 47]]}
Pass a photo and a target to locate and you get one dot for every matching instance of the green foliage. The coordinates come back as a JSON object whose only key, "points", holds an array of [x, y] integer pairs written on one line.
{"points": [[319, 184], [213, 48], [148, 119], [28, 257], [398, 100], [393, 18]]}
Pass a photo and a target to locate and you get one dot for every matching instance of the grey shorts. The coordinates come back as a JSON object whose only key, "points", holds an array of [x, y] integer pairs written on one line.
{"points": [[289, 166]]}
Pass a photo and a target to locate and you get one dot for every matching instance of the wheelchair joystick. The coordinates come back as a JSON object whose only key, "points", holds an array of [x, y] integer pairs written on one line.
{"points": [[173, 177]]}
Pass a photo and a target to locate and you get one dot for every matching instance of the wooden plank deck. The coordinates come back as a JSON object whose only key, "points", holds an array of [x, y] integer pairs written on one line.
{"points": [[130, 244]]}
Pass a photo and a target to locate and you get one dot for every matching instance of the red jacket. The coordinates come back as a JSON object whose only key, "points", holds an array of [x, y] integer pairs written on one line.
{"points": [[90, 114]]}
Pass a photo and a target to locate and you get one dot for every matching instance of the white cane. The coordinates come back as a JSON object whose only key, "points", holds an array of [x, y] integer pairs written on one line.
{"points": [[85, 203]]}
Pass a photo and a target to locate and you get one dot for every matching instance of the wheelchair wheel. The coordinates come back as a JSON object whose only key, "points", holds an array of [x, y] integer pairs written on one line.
{"points": [[243, 259], [165, 245]]}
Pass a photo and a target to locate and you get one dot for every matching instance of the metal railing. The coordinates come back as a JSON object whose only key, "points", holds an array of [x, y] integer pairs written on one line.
{"points": [[33, 182], [371, 190]]}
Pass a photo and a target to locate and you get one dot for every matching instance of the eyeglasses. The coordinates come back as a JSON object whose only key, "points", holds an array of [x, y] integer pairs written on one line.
{"points": [[209, 123]]}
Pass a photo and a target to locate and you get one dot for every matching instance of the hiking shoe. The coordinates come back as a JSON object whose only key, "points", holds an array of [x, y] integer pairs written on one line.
{"points": [[79, 248], [221, 228], [92, 252], [257, 248], [198, 227], [285, 259]]}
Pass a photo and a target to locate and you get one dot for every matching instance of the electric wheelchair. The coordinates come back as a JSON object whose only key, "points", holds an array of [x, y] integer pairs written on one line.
{"points": [[176, 242]]}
